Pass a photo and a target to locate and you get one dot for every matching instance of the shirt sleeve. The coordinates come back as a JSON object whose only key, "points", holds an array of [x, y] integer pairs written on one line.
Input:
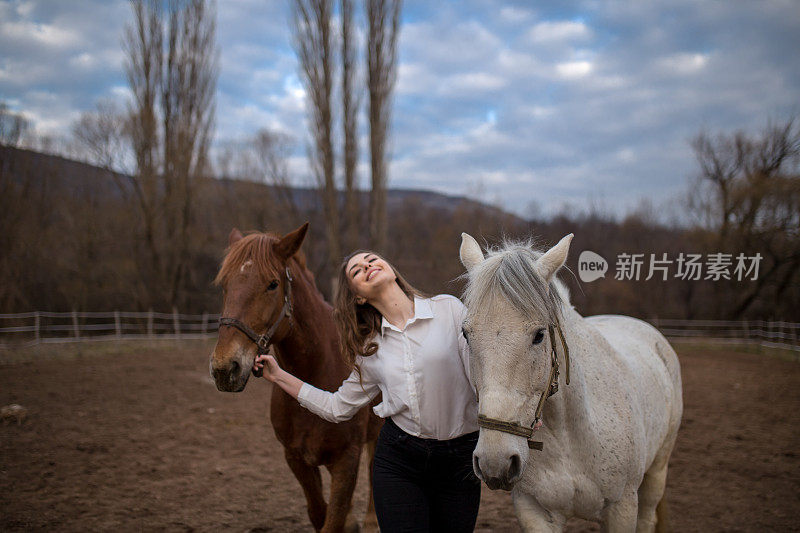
{"points": [[340, 405], [459, 315]]}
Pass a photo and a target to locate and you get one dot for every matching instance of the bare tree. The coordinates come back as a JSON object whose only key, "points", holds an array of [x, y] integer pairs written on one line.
{"points": [[383, 18], [313, 41], [101, 137], [350, 106], [172, 72], [13, 126], [748, 191], [271, 151]]}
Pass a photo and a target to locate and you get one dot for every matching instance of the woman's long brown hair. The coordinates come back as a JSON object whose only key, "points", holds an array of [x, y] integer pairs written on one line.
{"points": [[359, 323]]}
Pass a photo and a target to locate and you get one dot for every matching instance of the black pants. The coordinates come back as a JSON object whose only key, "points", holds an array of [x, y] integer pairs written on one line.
{"points": [[424, 484]]}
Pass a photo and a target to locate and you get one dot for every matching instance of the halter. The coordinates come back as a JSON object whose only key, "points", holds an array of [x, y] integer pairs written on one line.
{"points": [[263, 341], [515, 428]]}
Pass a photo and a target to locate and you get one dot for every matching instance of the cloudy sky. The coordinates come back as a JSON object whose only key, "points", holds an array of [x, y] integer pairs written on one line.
{"points": [[521, 103]]}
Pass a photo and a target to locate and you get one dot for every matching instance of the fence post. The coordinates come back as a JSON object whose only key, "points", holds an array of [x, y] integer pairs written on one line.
{"points": [[117, 325], [150, 323], [36, 323], [768, 332], [205, 322], [176, 322], [75, 329]]}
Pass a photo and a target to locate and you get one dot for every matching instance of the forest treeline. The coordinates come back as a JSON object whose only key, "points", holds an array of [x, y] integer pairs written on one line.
{"points": [[69, 240]]}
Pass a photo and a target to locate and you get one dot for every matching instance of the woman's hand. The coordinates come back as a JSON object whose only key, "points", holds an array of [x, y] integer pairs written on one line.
{"points": [[271, 368]]}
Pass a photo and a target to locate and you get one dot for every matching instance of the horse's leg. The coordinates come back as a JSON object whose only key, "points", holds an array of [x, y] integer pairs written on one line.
{"points": [[651, 492], [344, 473], [311, 482], [535, 518], [371, 519], [620, 516]]}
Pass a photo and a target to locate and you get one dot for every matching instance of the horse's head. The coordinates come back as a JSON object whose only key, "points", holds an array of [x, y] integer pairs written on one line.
{"points": [[511, 304], [255, 289]]}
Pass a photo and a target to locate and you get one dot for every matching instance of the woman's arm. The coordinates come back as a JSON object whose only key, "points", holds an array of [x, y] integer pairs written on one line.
{"points": [[274, 373], [353, 394]]}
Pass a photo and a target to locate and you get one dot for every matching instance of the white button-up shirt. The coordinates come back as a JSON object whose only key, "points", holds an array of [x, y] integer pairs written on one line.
{"points": [[422, 371]]}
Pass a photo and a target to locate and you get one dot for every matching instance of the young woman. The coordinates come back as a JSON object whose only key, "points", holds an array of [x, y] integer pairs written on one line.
{"points": [[411, 350]]}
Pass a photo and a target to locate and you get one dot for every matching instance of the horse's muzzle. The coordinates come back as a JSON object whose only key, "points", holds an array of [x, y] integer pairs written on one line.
{"points": [[229, 376], [502, 477]]}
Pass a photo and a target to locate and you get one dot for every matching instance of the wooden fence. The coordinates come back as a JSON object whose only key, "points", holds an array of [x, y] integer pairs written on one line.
{"points": [[766, 333], [36, 327]]}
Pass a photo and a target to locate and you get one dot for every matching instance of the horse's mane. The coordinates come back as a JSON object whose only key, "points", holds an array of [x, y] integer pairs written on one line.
{"points": [[509, 271], [255, 247]]}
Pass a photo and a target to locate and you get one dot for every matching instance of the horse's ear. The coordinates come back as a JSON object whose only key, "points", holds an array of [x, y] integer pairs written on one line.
{"points": [[554, 258], [288, 245], [470, 252], [235, 235]]}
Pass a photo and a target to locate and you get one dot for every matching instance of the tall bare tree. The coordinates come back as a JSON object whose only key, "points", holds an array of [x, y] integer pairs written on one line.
{"points": [[313, 41], [350, 106], [383, 18], [171, 66], [748, 193]]}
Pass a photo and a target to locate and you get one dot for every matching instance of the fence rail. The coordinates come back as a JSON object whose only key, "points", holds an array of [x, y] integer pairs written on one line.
{"points": [[38, 327], [767, 333]]}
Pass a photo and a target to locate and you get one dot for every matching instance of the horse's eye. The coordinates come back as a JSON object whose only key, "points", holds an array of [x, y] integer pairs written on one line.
{"points": [[464, 332], [538, 337], [273, 285]]}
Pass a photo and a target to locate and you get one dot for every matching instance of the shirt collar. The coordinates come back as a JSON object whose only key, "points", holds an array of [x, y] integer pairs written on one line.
{"points": [[422, 309]]}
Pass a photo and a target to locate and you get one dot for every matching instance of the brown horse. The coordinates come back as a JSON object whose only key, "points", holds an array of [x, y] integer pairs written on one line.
{"points": [[266, 282]]}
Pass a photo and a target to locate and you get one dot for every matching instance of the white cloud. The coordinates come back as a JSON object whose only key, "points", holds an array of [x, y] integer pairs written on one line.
{"points": [[514, 14], [83, 61], [683, 63], [574, 69], [564, 30], [24, 9], [472, 82], [39, 34]]}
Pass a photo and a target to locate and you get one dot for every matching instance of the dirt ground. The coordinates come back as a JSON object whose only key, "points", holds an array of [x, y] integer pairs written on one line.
{"points": [[136, 437]]}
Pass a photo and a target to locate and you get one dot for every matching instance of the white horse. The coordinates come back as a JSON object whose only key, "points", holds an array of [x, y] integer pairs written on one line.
{"points": [[609, 429]]}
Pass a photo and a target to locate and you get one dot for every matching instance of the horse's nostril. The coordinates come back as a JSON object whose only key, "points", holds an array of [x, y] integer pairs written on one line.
{"points": [[515, 469], [234, 368], [475, 465]]}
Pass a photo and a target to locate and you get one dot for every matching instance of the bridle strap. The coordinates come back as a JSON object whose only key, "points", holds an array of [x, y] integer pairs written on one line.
{"points": [[515, 428], [263, 341], [566, 350]]}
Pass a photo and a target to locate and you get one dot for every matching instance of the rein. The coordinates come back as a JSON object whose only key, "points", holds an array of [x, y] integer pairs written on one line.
{"points": [[263, 341], [515, 428]]}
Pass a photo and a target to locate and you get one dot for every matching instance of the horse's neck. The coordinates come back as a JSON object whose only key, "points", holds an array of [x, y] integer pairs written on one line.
{"points": [[310, 349]]}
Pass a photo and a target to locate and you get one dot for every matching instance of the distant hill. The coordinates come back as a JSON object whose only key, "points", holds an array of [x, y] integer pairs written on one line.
{"points": [[62, 173]]}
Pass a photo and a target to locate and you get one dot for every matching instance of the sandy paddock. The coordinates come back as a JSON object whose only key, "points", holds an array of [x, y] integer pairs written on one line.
{"points": [[136, 437]]}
